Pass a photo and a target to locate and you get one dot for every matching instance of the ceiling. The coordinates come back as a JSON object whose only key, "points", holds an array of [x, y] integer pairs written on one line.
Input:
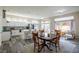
{"points": [[40, 12]]}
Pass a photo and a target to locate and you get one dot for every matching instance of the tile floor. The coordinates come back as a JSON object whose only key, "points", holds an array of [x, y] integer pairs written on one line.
{"points": [[26, 46]]}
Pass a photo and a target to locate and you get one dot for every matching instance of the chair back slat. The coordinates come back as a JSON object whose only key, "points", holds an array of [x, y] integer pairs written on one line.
{"points": [[57, 36]]}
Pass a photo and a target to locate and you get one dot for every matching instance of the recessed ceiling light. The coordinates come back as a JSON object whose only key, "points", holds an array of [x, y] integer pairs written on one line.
{"points": [[61, 11]]}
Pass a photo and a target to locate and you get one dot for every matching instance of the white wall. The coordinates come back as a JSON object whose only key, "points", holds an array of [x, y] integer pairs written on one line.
{"points": [[77, 23], [0, 26], [0, 39], [40, 24]]}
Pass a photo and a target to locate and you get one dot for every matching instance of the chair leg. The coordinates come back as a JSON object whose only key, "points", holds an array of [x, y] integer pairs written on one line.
{"points": [[59, 45], [56, 47], [34, 47], [38, 48], [44, 49], [41, 48]]}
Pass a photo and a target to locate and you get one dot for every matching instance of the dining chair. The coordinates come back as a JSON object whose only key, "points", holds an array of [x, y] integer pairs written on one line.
{"points": [[56, 40], [37, 42]]}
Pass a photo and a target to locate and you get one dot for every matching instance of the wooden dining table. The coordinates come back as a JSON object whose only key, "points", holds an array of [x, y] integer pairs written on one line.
{"points": [[45, 40]]}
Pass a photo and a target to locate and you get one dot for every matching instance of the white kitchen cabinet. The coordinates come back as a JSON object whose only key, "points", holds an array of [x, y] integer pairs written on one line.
{"points": [[5, 36]]}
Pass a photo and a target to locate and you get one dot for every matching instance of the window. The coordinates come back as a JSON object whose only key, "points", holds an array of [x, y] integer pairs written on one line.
{"points": [[64, 24], [46, 26]]}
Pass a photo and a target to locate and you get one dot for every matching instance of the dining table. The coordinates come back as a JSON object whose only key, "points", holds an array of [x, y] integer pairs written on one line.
{"points": [[45, 40]]}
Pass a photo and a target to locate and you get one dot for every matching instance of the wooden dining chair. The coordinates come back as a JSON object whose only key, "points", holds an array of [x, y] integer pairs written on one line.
{"points": [[37, 43], [56, 40]]}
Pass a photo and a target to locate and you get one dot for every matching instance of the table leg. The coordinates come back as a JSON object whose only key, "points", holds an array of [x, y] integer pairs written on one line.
{"points": [[48, 47], [43, 45]]}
